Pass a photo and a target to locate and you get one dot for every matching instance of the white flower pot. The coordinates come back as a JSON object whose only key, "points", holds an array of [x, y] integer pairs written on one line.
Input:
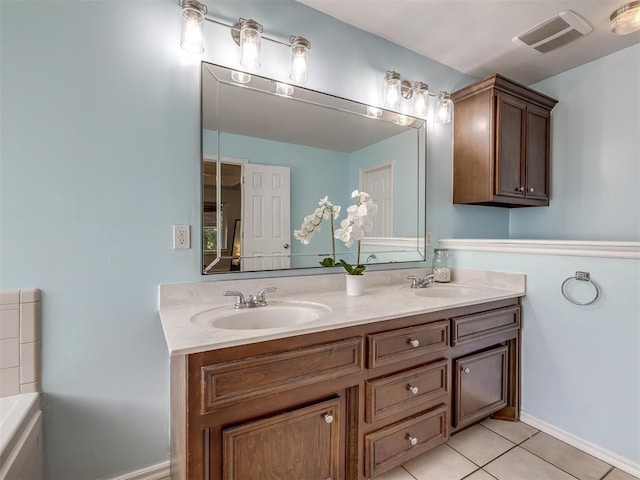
{"points": [[355, 285]]}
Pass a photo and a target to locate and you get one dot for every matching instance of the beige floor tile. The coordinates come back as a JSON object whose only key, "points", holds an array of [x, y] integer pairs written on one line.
{"points": [[619, 475], [441, 463], [480, 475], [566, 457], [518, 464], [517, 432], [396, 474], [479, 444]]}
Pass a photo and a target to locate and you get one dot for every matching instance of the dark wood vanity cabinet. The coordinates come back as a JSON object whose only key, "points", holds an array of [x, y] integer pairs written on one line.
{"points": [[501, 146], [349, 403]]}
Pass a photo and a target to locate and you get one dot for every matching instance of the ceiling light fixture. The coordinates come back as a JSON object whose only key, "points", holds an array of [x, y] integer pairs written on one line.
{"points": [[625, 19], [247, 34], [398, 91]]}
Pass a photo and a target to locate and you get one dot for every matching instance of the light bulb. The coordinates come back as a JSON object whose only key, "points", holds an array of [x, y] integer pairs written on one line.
{"points": [[192, 36], [420, 100], [299, 59], [392, 90], [444, 108], [250, 42]]}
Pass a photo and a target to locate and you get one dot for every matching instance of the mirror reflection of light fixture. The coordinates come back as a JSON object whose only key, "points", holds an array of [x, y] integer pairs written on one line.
{"points": [[240, 77], [625, 19], [444, 108], [298, 59], [404, 120], [373, 112], [247, 34], [192, 36], [284, 89]]}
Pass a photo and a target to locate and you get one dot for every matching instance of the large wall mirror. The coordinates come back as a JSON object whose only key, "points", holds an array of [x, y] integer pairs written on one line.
{"points": [[268, 158]]}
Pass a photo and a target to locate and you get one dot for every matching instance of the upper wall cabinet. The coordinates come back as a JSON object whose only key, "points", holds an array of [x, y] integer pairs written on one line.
{"points": [[501, 144]]}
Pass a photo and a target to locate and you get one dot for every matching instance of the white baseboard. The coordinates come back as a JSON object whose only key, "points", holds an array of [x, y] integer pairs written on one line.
{"points": [[603, 454], [155, 472]]}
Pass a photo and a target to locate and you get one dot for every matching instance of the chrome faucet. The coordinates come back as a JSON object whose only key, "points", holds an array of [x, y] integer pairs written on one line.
{"points": [[421, 282], [257, 300]]}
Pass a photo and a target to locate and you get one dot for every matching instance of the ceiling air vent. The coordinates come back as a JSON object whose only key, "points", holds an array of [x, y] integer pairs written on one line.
{"points": [[553, 33]]}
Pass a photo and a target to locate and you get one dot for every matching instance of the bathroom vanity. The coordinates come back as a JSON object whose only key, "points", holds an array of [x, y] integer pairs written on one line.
{"points": [[379, 380]]}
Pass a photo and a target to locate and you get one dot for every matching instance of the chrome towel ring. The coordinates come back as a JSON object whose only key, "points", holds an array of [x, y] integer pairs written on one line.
{"points": [[583, 277]]}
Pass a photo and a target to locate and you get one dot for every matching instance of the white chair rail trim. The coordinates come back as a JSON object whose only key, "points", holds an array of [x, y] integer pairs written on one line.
{"points": [[581, 248]]}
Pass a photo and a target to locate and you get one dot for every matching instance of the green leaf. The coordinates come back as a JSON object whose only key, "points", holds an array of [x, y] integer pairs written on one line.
{"points": [[347, 267], [328, 262]]}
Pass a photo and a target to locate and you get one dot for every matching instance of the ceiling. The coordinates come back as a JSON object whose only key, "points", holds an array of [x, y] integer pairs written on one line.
{"points": [[474, 36]]}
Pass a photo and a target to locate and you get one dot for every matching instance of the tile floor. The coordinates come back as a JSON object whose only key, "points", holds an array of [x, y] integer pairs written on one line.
{"points": [[497, 450], [501, 450]]}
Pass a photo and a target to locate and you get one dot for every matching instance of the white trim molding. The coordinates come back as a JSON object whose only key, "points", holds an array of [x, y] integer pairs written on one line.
{"points": [[405, 242], [155, 472], [630, 250], [618, 461]]}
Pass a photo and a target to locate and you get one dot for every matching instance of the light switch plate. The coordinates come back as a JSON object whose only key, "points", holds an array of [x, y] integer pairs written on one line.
{"points": [[181, 237]]}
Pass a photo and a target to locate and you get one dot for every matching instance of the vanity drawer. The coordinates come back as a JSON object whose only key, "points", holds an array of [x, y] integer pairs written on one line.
{"points": [[227, 383], [389, 395], [473, 327], [393, 445], [406, 343]]}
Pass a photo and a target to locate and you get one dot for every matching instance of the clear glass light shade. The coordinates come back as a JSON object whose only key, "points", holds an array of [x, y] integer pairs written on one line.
{"points": [[404, 120], [420, 101], [626, 19], [250, 43], [192, 36], [373, 112], [392, 92], [299, 60], [444, 109]]}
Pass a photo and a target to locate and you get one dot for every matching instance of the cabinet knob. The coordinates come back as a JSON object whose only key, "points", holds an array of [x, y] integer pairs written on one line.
{"points": [[328, 418], [531, 190], [413, 389], [466, 370], [519, 189], [414, 343], [412, 440]]}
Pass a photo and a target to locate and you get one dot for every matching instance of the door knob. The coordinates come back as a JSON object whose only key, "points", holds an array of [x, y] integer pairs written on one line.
{"points": [[466, 370], [414, 343], [519, 189], [531, 190], [412, 440], [328, 418], [413, 389], [286, 245]]}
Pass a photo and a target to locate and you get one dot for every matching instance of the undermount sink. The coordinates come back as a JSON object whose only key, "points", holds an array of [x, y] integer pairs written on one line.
{"points": [[276, 314], [445, 290]]}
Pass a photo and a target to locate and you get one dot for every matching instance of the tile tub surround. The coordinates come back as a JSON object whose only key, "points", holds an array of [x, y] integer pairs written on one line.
{"points": [[387, 295], [19, 341]]}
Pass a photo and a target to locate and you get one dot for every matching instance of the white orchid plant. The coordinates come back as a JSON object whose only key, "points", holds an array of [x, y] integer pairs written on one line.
{"points": [[352, 229]]}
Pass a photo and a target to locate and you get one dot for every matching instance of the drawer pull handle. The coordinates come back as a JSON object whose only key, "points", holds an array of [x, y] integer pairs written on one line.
{"points": [[412, 440], [413, 389], [414, 343], [328, 418], [466, 370]]}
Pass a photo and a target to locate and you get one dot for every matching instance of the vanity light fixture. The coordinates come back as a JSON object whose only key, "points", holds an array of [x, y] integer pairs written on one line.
{"points": [[625, 19], [248, 35], [444, 108], [192, 36], [397, 90], [374, 112]]}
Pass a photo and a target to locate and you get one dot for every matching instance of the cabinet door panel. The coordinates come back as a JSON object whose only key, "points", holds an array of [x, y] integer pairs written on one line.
{"points": [[481, 382], [509, 146], [301, 444], [537, 153]]}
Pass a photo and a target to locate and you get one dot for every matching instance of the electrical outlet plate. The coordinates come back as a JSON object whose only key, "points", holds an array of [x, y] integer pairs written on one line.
{"points": [[181, 237]]}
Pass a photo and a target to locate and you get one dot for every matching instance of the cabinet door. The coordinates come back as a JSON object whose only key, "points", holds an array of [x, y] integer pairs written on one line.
{"points": [[481, 381], [510, 120], [300, 444], [537, 153]]}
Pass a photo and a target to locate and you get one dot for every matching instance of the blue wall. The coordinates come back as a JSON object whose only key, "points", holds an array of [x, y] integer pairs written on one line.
{"points": [[595, 154], [100, 156]]}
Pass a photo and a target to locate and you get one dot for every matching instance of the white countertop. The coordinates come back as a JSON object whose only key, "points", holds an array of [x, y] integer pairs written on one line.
{"points": [[388, 296]]}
